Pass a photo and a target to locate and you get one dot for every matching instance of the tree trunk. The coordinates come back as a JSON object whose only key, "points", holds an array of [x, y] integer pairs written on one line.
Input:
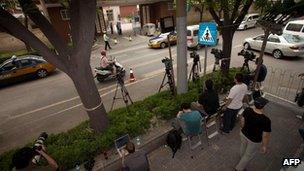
{"points": [[227, 36], [89, 95]]}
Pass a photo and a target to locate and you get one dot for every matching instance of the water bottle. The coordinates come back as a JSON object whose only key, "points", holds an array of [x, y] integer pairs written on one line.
{"points": [[137, 141]]}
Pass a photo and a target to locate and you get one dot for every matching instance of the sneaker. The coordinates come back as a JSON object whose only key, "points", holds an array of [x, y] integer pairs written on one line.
{"points": [[299, 117]]}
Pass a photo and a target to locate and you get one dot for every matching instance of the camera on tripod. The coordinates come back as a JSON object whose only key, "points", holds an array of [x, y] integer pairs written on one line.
{"points": [[194, 55], [38, 146], [168, 63], [249, 56], [218, 54]]}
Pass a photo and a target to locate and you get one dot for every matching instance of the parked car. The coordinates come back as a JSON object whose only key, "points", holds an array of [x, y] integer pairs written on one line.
{"points": [[249, 20], [16, 69], [161, 40], [278, 46], [149, 29], [295, 27], [192, 36]]}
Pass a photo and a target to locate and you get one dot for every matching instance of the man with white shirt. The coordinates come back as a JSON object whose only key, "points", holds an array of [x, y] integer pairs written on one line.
{"points": [[234, 103]]}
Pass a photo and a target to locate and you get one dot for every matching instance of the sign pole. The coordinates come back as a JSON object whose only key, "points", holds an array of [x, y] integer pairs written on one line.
{"points": [[205, 60]]}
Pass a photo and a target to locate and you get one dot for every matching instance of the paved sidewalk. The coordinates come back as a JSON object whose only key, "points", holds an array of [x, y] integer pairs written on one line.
{"points": [[223, 152]]}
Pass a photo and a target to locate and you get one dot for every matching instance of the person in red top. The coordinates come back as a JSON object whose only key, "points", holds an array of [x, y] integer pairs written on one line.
{"points": [[105, 63]]}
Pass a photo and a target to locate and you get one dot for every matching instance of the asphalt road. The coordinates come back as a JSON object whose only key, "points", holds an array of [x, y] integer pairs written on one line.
{"points": [[52, 104]]}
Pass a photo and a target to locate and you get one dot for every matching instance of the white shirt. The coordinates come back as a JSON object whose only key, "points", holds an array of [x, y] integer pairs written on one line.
{"points": [[237, 93], [105, 37]]}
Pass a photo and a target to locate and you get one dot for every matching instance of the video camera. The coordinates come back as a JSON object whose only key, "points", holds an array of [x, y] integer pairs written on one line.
{"points": [[249, 56], [38, 146], [168, 63], [195, 56], [218, 54]]}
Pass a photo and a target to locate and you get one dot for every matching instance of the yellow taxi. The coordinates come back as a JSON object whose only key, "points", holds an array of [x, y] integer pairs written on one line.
{"points": [[15, 69], [161, 40]]}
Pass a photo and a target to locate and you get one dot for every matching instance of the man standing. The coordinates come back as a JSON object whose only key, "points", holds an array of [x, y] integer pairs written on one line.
{"points": [[234, 103], [106, 40], [256, 128]]}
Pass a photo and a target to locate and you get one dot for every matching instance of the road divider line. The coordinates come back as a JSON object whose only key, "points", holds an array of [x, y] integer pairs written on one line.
{"points": [[237, 46]]}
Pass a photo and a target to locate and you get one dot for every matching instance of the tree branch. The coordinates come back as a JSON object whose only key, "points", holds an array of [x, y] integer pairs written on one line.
{"points": [[225, 7], [235, 9], [242, 14], [56, 40], [213, 13], [16, 29]]}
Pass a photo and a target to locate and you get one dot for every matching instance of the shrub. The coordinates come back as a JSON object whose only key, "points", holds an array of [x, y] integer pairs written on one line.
{"points": [[80, 143]]}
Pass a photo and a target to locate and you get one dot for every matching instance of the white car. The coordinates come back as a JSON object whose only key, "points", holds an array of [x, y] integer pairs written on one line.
{"points": [[278, 46], [295, 27], [249, 20]]}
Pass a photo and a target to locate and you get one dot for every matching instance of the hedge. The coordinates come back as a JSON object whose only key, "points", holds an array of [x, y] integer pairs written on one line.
{"points": [[80, 143]]}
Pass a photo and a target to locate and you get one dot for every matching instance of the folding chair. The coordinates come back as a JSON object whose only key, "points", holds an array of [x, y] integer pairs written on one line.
{"points": [[190, 136]]}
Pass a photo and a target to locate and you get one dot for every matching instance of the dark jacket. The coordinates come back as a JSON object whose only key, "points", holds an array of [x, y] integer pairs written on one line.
{"points": [[210, 101]]}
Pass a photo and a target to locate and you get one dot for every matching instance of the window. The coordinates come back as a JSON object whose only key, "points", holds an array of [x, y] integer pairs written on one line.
{"points": [[195, 32], [293, 38], [25, 63], [170, 6], [255, 17], [261, 38], [7, 67], [110, 15], [294, 27], [188, 33], [274, 39], [65, 14]]}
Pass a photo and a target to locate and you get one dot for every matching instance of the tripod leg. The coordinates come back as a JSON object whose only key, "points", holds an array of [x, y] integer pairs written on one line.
{"points": [[114, 98], [162, 84], [191, 73]]}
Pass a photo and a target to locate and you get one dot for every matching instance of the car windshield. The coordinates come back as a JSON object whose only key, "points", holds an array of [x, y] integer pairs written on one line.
{"points": [[293, 38], [245, 18]]}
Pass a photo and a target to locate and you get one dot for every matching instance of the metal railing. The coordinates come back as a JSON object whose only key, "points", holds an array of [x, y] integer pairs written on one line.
{"points": [[284, 84]]}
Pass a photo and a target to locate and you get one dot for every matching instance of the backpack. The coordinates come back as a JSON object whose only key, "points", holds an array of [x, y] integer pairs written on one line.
{"points": [[174, 141], [300, 98]]}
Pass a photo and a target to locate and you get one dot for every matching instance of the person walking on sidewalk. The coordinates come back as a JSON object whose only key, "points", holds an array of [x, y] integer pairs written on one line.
{"points": [[256, 128], [106, 40], [234, 103]]}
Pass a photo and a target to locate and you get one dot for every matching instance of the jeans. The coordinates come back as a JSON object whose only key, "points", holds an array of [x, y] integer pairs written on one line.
{"points": [[107, 44], [229, 119]]}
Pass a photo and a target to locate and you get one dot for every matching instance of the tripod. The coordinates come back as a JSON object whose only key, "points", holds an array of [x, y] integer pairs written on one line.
{"points": [[124, 92], [195, 69], [245, 66], [170, 81]]}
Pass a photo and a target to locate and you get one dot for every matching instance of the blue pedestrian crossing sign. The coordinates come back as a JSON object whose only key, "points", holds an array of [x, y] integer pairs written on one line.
{"points": [[207, 34]]}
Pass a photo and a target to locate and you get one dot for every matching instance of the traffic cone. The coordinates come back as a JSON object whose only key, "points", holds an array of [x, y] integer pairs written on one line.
{"points": [[115, 41], [130, 38], [132, 77]]}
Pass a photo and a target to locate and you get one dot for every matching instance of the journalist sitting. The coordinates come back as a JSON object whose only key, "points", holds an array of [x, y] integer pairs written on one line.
{"points": [[208, 102], [105, 63], [26, 159], [191, 120]]}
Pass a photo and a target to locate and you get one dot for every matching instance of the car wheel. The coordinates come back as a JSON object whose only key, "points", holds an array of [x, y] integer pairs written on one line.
{"points": [[245, 27], [163, 45], [41, 73], [277, 54], [100, 79], [246, 46]]}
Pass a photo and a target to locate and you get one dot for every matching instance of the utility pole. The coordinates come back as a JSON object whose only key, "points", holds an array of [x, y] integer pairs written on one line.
{"points": [[181, 24]]}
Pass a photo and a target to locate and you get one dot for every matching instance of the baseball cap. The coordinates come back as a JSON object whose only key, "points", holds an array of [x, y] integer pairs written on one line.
{"points": [[260, 102]]}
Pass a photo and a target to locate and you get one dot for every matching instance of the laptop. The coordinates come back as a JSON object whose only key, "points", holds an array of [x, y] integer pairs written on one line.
{"points": [[121, 143]]}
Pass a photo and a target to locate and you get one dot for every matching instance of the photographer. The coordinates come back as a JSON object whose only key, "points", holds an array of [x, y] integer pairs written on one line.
{"points": [[24, 159], [262, 73]]}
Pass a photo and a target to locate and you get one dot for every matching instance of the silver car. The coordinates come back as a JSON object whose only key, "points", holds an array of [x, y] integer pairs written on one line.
{"points": [[278, 46]]}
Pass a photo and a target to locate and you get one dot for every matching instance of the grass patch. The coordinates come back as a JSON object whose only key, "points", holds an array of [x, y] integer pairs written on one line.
{"points": [[79, 144]]}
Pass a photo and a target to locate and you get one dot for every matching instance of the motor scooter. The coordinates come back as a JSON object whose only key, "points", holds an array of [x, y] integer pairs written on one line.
{"points": [[104, 74]]}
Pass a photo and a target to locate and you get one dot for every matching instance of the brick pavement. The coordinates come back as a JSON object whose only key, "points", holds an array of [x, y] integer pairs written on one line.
{"points": [[223, 152]]}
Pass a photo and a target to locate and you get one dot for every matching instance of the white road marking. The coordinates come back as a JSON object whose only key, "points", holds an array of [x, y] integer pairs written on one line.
{"points": [[237, 46]]}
